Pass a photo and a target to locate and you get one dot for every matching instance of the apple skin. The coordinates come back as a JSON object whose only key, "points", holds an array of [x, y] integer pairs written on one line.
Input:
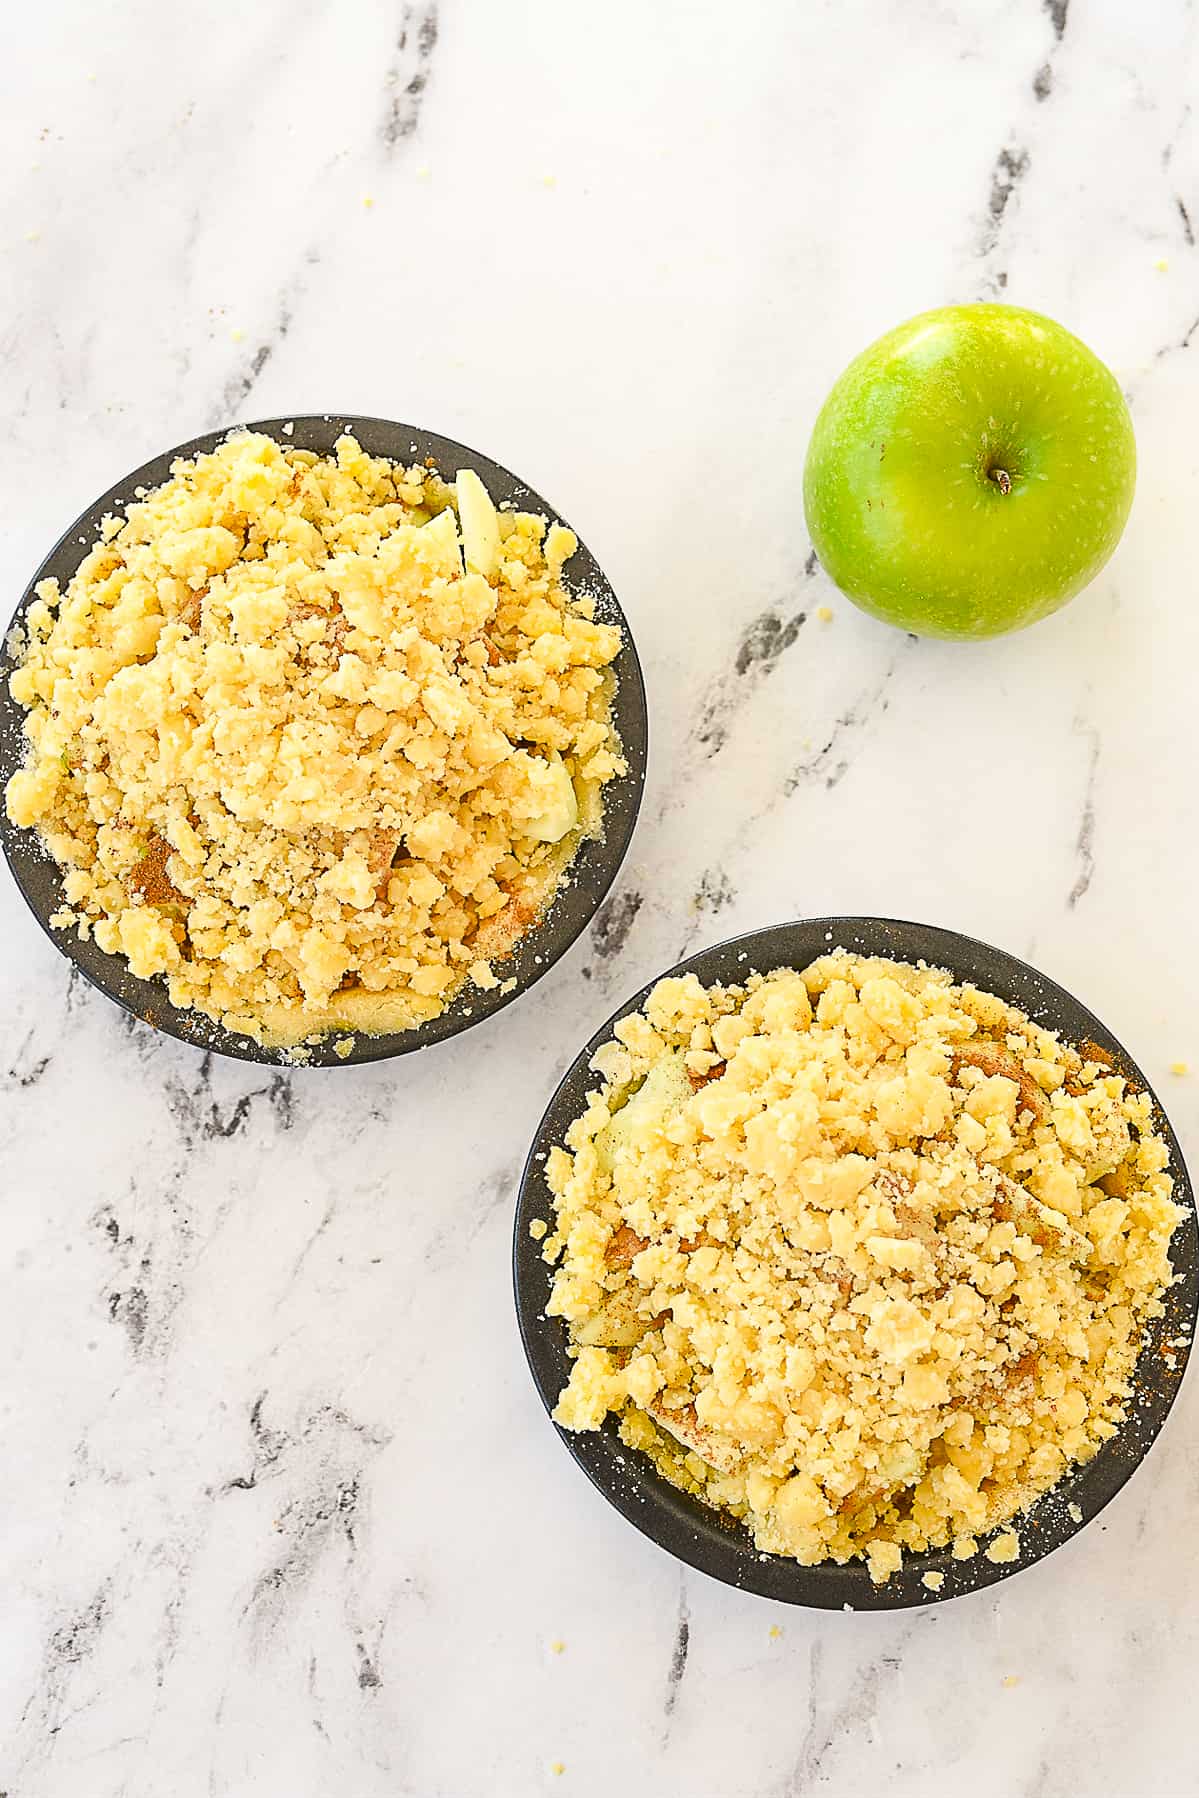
{"points": [[903, 483]]}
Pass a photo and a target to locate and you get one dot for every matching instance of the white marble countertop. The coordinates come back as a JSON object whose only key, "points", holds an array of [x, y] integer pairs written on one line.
{"points": [[281, 1513]]}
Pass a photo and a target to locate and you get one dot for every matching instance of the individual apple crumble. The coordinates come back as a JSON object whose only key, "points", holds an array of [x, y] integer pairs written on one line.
{"points": [[859, 1256], [315, 737]]}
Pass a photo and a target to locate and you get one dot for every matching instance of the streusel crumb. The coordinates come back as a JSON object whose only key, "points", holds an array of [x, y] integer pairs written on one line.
{"points": [[314, 737], [860, 1256]]}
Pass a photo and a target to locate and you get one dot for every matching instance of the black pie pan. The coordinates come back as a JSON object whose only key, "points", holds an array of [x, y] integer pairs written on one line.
{"points": [[591, 873], [715, 1543]]}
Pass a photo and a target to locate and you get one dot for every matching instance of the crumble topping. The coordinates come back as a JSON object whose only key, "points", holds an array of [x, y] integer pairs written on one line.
{"points": [[857, 1255], [314, 737]]}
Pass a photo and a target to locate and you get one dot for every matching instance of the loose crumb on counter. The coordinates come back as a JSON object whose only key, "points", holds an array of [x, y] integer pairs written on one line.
{"points": [[861, 1257]]}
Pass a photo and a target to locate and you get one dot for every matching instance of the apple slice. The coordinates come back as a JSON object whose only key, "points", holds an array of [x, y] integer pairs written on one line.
{"points": [[665, 1090], [560, 807], [724, 1455], [480, 524], [441, 535]]}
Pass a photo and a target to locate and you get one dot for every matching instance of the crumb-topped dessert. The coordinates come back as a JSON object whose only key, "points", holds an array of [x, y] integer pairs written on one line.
{"points": [[315, 737], [859, 1256]]}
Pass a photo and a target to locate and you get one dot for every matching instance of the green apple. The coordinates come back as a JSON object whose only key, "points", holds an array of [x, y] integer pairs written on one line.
{"points": [[970, 472]]}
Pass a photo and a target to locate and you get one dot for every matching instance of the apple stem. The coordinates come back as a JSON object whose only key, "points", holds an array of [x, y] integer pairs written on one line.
{"points": [[1001, 478]]}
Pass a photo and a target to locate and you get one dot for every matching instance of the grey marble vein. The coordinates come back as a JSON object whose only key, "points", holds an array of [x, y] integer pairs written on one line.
{"points": [[765, 639], [1059, 12], [832, 1728], [680, 1648], [282, 1513], [408, 75], [613, 922], [1011, 166], [1084, 843]]}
